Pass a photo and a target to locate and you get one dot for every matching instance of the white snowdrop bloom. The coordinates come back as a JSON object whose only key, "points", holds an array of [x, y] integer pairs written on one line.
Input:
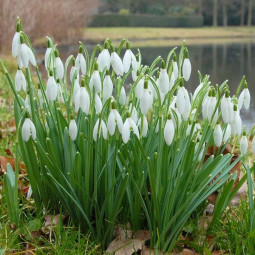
{"points": [[236, 124], [73, 130], [20, 81], [134, 114], [82, 100], [26, 54], [60, 93], [143, 126], [76, 87], [169, 131], [139, 88], [146, 100], [80, 62], [107, 86], [128, 125], [122, 97], [186, 67], [104, 58], [253, 145], [209, 106], [175, 69], [244, 144], [98, 104], [46, 57], [227, 133], [176, 117], [152, 89], [183, 101], [59, 68], [227, 108], [51, 88], [135, 65], [116, 63], [244, 98], [196, 128], [217, 135], [16, 44], [99, 129], [113, 119], [197, 90], [27, 104], [28, 129], [163, 80], [128, 58], [95, 81], [188, 130], [172, 81], [74, 73]]}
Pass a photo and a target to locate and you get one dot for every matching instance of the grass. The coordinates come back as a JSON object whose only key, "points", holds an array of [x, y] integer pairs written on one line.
{"points": [[143, 36]]}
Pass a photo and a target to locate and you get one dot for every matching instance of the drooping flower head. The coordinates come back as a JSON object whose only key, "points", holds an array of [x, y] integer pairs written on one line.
{"points": [[186, 67]]}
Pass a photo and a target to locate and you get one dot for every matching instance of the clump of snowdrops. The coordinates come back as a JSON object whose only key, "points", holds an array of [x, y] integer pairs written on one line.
{"points": [[112, 153]]}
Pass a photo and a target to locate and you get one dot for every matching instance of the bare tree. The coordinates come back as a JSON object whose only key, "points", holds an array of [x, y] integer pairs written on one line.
{"points": [[249, 21], [242, 12], [225, 14], [62, 20], [215, 13]]}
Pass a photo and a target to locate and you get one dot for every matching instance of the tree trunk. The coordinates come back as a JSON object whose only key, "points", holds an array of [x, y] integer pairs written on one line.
{"points": [[242, 13], [215, 13], [225, 14], [249, 21]]}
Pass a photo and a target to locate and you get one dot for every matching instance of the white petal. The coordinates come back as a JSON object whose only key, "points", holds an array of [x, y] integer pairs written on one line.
{"points": [[95, 82], [117, 64], [59, 68], [122, 97], [244, 145], [98, 104], [145, 127], [84, 100], [16, 44], [73, 130], [127, 60], [104, 129], [111, 123], [96, 132], [32, 130], [52, 89], [126, 131], [75, 88], [31, 56], [186, 69], [133, 126], [24, 55], [146, 101], [139, 88], [227, 133], [169, 132], [247, 98], [241, 100], [118, 120], [163, 81], [25, 131], [172, 81], [197, 90], [104, 60], [217, 135], [175, 69], [46, 57], [83, 64], [107, 87], [180, 100]]}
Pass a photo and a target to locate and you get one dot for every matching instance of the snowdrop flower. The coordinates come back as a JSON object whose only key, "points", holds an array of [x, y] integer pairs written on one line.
{"points": [[16, 41], [183, 101], [28, 129], [244, 143], [95, 80], [196, 128], [172, 81], [169, 130], [82, 99], [209, 106], [253, 144], [80, 62], [116, 63], [197, 90], [217, 135], [74, 72], [236, 124], [227, 108], [128, 58], [27, 103], [104, 58], [98, 103], [135, 65], [107, 86], [146, 100], [189, 128], [76, 87], [113, 119], [175, 67], [26, 55], [52, 88], [227, 133], [47, 55], [163, 80], [59, 66], [134, 114], [139, 87], [73, 130], [186, 67], [128, 125], [122, 97], [99, 129], [20, 81], [143, 126], [60, 94], [244, 98]]}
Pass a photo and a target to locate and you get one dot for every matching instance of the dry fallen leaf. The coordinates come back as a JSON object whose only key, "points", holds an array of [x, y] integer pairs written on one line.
{"points": [[4, 160]]}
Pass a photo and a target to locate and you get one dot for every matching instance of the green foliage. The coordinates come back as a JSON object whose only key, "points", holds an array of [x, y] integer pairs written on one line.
{"points": [[115, 20], [124, 12]]}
